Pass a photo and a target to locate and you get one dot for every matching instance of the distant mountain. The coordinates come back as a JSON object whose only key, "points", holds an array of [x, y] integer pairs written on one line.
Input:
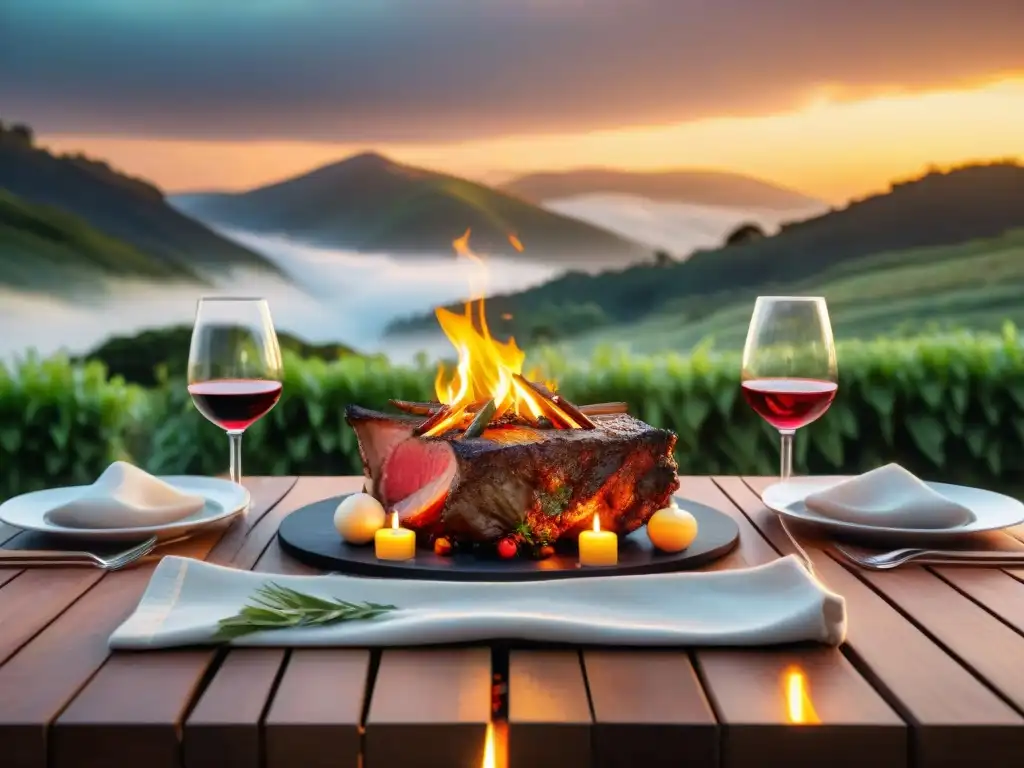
{"points": [[122, 207], [369, 203], [44, 248], [698, 187], [969, 203]]}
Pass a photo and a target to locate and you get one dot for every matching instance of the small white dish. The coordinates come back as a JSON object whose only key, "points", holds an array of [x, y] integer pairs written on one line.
{"points": [[223, 500], [992, 511]]}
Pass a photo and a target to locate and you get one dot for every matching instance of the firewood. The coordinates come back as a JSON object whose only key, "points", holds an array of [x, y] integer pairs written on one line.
{"points": [[552, 411], [604, 409], [415, 408], [573, 412]]}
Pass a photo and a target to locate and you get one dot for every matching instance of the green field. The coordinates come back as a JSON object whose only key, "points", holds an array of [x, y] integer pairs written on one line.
{"points": [[976, 286]]}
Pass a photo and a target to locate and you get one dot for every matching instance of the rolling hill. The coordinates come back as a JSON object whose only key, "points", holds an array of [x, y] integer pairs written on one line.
{"points": [[44, 248], [974, 286], [369, 203], [698, 187], [939, 209], [124, 208]]}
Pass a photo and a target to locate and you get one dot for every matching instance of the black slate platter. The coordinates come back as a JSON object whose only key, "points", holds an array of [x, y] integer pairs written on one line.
{"points": [[308, 534]]}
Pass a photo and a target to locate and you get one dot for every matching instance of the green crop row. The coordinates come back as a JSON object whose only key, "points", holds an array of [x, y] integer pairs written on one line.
{"points": [[946, 407]]}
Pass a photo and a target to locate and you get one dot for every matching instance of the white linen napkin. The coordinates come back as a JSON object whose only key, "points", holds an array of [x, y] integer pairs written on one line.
{"points": [[770, 604], [125, 496], [888, 496]]}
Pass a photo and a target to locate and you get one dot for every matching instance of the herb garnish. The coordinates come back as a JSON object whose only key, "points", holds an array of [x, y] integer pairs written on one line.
{"points": [[277, 607]]}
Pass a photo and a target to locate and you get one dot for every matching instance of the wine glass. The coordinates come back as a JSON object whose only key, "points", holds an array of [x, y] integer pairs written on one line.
{"points": [[234, 367], [789, 365]]}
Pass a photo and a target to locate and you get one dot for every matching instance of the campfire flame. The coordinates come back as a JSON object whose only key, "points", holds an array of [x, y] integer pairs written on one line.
{"points": [[487, 369]]}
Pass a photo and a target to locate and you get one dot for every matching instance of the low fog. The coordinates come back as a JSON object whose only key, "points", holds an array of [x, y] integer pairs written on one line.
{"points": [[337, 296]]}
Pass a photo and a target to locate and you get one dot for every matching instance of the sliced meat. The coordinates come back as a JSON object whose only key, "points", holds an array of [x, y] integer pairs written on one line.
{"points": [[421, 510], [418, 476], [377, 434], [413, 464]]}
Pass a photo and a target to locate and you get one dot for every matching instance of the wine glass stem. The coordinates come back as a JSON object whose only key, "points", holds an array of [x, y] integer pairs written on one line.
{"points": [[235, 440], [786, 469]]}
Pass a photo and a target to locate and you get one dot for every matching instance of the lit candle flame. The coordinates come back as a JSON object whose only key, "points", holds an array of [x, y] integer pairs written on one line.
{"points": [[799, 708], [597, 524], [394, 521]]}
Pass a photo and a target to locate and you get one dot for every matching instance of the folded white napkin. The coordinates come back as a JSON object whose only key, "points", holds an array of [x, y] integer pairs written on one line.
{"points": [[888, 496], [125, 496], [770, 604]]}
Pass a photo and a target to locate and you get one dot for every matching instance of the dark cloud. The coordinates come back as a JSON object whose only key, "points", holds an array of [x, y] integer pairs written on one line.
{"points": [[427, 70]]}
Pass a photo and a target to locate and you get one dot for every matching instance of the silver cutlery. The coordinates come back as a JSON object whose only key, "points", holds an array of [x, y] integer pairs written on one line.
{"points": [[110, 563], [883, 561]]}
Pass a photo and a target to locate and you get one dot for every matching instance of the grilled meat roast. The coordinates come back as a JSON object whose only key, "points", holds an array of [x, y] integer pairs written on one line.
{"points": [[515, 478]]}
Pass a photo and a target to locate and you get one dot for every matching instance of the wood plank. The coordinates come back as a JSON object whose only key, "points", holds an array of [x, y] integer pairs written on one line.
{"points": [[429, 708], [48, 671], [222, 730], [549, 717], [6, 574], [649, 710], [314, 720], [7, 532], [205, 745], [746, 741], [315, 717], [997, 591], [828, 720], [957, 719], [977, 638], [120, 689], [266, 492], [36, 598]]}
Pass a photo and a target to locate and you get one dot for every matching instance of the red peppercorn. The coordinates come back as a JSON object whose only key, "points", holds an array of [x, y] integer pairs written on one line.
{"points": [[507, 549], [442, 546]]}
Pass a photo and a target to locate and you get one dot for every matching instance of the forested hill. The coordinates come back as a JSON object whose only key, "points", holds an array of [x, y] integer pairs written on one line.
{"points": [[940, 208], [122, 207], [371, 203]]}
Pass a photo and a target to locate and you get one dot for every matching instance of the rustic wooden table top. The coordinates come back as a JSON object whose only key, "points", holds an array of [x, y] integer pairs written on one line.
{"points": [[932, 675]]}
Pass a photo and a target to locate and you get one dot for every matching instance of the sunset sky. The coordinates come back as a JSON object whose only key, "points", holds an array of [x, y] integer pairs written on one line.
{"points": [[831, 97]]}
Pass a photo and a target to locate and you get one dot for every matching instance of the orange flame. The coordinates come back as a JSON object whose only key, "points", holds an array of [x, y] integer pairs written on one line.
{"points": [[486, 366], [799, 707]]}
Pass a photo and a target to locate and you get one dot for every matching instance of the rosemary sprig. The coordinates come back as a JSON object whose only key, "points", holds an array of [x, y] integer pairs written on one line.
{"points": [[277, 607]]}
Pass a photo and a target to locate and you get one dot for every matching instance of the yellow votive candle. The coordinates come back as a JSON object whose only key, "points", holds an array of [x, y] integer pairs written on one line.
{"points": [[394, 543], [598, 547]]}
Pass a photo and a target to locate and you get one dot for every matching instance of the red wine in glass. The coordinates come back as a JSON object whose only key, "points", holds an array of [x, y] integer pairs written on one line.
{"points": [[789, 366], [789, 403], [234, 367], [234, 404]]}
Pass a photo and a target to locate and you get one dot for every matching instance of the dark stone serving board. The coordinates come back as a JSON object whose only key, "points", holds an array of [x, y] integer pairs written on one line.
{"points": [[308, 534]]}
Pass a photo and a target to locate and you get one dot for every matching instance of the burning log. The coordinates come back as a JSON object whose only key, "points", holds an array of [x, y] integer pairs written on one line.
{"points": [[604, 409], [574, 413], [433, 420], [415, 408], [555, 414]]}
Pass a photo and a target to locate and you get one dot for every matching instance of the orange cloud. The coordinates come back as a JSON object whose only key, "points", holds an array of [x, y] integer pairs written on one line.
{"points": [[831, 146]]}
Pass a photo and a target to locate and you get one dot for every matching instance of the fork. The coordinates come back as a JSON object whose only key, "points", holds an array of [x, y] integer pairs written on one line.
{"points": [[44, 557], [883, 561]]}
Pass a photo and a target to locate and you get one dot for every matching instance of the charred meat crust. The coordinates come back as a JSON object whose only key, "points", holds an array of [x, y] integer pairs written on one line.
{"points": [[552, 481]]}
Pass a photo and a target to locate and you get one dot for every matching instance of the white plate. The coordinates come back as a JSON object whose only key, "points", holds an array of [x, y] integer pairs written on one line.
{"points": [[992, 511], [223, 499]]}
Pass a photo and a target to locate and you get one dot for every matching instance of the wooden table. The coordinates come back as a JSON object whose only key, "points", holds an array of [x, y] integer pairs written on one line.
{"points": [[932, 675]]}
